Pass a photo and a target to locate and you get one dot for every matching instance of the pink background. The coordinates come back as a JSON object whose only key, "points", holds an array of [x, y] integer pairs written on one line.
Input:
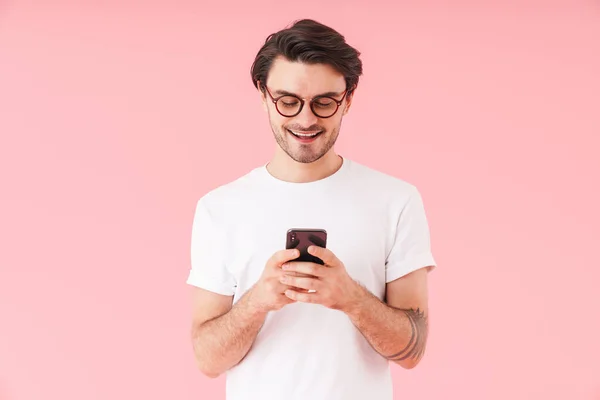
{"points": [[114, 121]]}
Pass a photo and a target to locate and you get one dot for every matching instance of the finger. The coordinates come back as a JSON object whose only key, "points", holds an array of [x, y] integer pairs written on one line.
{"points": [[282, 256], [304, 267], [324, 254], [281, 288], [299, 290], [293, 273], [300, 282], [301, 297], [287, 287]]}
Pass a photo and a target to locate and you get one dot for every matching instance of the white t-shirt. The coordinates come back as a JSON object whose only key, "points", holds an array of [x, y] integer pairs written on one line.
{"points": [[376, 225]]}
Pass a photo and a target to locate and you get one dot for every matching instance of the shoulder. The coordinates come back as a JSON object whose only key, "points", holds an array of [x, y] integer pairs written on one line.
{"points": [[382, 183], [224, 196]]}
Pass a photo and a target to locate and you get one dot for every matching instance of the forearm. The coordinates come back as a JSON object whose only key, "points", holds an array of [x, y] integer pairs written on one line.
{"points": [[222, 342], [399, 335]]}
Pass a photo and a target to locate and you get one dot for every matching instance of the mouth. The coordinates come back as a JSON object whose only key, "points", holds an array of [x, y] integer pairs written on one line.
{"points": [[305, 137]]}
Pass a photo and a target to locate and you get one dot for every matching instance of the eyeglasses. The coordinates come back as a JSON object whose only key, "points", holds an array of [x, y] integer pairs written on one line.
{"points": [[290, 105]]}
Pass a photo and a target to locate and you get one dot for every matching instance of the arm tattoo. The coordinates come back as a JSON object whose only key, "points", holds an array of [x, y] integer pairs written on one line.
{"points": [[418, 338]]}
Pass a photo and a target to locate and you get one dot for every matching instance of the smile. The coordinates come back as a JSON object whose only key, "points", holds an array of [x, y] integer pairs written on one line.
{"points": [[305, 135]]}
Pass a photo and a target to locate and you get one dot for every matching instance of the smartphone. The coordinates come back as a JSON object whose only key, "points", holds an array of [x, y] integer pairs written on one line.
{"points": [[301, 239]]}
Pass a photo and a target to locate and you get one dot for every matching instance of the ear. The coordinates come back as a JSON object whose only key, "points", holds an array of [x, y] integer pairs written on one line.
{"points": [[349, 98], [263, 97]]}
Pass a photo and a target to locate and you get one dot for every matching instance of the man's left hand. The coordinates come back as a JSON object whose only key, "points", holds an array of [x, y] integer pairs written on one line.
{"points": [[329, 284]]}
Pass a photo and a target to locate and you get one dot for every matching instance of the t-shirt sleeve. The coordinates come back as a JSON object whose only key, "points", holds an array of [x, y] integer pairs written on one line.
{"points": [[411, 247], [208, 269]]}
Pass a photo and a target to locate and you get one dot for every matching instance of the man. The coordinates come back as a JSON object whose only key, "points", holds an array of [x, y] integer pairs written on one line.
{"points": [[284, 329]]}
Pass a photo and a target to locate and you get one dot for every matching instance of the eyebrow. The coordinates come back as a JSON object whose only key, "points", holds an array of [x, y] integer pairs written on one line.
{"points": [[286, 93]]}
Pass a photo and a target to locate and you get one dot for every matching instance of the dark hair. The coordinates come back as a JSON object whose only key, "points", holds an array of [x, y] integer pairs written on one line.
{"points": [[308, 41]]}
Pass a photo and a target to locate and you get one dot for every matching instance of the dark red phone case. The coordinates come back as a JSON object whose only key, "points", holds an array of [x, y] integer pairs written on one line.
{"points": [[301, 239]]}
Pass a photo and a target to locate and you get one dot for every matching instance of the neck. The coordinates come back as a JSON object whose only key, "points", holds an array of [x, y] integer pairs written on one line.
{"points": [[286, 169]]}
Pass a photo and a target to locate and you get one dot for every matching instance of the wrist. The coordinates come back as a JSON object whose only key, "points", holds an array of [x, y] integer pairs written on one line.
{"points": [[251, 306], [357, 296]]}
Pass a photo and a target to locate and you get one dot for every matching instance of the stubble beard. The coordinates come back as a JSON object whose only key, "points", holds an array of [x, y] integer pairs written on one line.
{"points": [[305, 153]]}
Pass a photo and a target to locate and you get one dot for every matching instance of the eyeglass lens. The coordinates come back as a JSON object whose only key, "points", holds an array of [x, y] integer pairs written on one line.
{"points": [[323, 107]]}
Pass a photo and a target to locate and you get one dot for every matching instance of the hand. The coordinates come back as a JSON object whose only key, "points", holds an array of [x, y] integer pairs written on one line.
{"points": [[329, 284], [268, 292]]}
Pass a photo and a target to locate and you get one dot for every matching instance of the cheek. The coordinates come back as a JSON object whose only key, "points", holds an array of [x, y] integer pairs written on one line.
{"points": [[282, 126], [331, 125], [283, 123], [277, 122]]}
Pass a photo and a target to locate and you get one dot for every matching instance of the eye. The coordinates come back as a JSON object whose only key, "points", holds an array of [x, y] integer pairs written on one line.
{"points": [[324, 103], [288, 101]]}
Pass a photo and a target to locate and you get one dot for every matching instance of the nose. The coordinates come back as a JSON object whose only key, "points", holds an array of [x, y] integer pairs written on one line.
{"points": [[306, 118]]}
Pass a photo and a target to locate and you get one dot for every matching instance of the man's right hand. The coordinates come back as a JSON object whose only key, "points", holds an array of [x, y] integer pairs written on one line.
{"points": [[268, 292], [224, 331]]}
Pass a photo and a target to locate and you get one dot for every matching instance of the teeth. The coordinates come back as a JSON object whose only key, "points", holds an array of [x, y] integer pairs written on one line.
{"points": [[305, 134]]}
